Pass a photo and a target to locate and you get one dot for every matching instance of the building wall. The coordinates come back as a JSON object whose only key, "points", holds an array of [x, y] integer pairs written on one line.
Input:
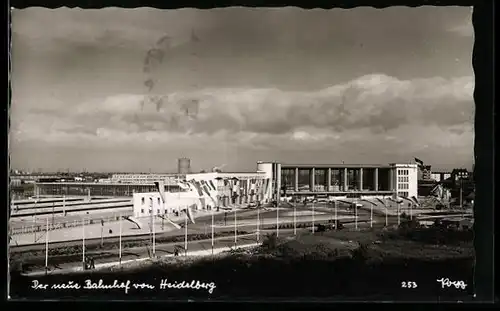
{"points": [[174, 203], [440, 176], [234, 188], [266, 168], [425, 172], [406, 179], [358, 179], [204, 191]]}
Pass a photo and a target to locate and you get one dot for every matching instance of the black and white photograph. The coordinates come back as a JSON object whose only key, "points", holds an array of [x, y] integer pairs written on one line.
{"points": [[242, 153]]}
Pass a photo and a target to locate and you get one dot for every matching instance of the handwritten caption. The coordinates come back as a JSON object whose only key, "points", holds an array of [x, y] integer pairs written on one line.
{"points": [[126, 286], [447, 283]]}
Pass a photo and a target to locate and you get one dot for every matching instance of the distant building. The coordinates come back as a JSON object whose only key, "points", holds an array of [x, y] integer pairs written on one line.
{"points": [[440, 175], [15, 182], [96, 188], [146, 178], [460, 174], [33, 178], [424, 172]]}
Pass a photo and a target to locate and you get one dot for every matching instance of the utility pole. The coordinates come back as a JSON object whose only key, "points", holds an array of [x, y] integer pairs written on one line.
{"points": [[102, 229]]}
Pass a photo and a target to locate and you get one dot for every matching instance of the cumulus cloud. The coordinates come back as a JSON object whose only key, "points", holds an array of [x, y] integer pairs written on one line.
{"points": [[361, 114]]}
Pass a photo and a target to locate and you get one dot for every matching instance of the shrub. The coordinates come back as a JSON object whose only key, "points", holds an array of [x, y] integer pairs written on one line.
{"points": [[360, 253], [270, 242]]}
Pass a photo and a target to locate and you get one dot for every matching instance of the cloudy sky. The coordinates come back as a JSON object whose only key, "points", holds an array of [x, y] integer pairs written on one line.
{"points": [[240, 85]]}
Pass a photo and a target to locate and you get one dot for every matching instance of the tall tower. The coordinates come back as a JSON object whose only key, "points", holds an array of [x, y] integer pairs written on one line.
{"points": [[184, 166]]}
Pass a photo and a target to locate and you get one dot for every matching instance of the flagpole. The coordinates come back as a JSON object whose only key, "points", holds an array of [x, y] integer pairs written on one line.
{"points": [[153, 228], [212, 231], [277, 218], [294, 218], [47, 246], [163, 216], [258, 223], [34, 224], [371, 215], [235, 228], [399, 214], [83, 242], [185, 234], [102, 229], [411, 211], [336, 220], [356, 214], [120, 239], [313, 216], [386, 220], [461, 200]]}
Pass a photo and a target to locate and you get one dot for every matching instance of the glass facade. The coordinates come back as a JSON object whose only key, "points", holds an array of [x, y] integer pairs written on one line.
{"points": [[97, 189]]}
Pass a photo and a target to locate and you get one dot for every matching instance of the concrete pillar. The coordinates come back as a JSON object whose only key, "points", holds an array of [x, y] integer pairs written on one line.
{"points": [[360, 181], [312, 182], [345, 179], [328, 179], [296, 185], [391, 179], [375, 179]]}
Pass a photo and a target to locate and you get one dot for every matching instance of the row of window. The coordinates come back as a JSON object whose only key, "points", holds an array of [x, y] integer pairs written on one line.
{"points": [[158, 211], [403, 172], [143, 176], [403, 179], [143, 200], [403, 194], [403, 186]]}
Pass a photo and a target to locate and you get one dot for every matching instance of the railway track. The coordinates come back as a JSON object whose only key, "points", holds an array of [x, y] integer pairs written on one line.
{"points": [[147, 236]]}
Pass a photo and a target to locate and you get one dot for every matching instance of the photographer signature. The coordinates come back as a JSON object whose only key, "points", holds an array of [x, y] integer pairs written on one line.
{"points": [[447, 283]]}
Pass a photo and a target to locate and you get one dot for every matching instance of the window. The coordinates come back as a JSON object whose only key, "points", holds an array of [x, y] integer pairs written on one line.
{"points": [[142, 211], [158, 200], [142, 200], [150, 211], [158, 211]]}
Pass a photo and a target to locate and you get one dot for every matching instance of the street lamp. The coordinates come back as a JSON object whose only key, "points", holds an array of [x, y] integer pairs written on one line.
{"points": [[235, 224], [218, 203]]}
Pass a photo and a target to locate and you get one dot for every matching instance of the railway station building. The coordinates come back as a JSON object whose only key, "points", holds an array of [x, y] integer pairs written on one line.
{"points": [[340, 180]]}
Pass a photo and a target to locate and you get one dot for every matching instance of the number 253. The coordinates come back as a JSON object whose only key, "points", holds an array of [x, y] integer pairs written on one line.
{"points": [[409, 285]]}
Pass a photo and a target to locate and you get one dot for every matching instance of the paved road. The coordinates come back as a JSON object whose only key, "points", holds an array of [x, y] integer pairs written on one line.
{"points": [[68, 262], [37, 263], [223, 221], [246, 220]]}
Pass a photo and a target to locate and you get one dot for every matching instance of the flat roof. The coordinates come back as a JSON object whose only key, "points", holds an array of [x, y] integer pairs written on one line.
{"points": [[228, 173], [335, 166], [98, 184]]}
